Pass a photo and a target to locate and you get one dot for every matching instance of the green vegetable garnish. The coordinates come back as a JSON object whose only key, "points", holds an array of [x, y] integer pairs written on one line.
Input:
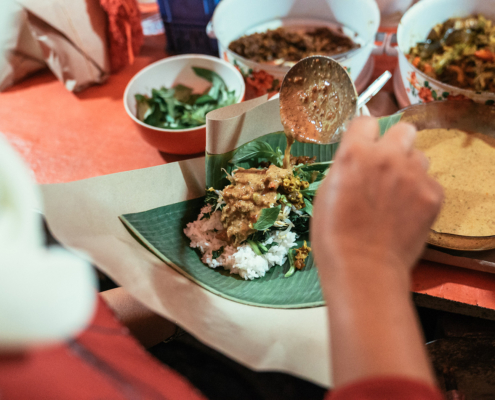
{"points": [[179, 107], [308, 207], [255, 247], [217, 253], [258, 150], [292, 264], [267, 218], [263, 248], [311, 190]]}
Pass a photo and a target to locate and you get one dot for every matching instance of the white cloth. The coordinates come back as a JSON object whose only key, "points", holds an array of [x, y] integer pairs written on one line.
{"points": [[45, 295]]}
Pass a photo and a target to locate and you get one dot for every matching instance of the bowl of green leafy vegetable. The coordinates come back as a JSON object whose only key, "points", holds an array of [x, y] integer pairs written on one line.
{"points": [[170, 98]]}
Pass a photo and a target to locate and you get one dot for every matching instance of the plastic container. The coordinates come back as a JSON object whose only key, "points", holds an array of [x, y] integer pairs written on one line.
{"points": [[185, 25]]}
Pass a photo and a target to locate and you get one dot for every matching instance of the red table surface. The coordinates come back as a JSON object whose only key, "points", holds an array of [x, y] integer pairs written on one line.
{"points": [[65, 137]]}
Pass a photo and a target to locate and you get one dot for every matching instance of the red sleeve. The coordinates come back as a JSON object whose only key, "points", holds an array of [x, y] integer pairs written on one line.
{"points": [[103, 362], [386, 389]]}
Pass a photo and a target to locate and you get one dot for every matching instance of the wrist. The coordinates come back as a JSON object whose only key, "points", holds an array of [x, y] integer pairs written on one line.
{"points": [[363, 272]]}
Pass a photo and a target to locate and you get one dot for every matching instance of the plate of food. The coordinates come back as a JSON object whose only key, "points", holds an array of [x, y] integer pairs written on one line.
{"points": [[247, 238], [458, 138]]}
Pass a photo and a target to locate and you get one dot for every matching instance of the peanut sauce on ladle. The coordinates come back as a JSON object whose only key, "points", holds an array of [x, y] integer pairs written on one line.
{"points": [[317, 98]]}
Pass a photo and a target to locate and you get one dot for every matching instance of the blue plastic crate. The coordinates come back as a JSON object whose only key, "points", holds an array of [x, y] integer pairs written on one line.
{"points": [[185, 38], [185, 25], [187, 11]]}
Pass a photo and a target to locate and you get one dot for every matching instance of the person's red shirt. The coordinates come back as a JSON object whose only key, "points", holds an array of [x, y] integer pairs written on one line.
{"points": [[106, 362]]}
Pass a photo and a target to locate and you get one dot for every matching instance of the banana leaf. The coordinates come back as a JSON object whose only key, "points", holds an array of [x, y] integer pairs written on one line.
{"points": [[161, 231]]}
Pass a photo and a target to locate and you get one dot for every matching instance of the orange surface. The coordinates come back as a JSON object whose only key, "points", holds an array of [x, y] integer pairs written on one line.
{"points": [[65, 137], [456, 284]]}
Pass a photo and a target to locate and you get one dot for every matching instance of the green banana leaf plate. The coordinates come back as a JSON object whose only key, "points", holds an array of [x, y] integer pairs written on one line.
{"points": [[161, 231]]}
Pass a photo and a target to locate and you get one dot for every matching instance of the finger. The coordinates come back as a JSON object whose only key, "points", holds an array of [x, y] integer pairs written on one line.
{"points": [[419, 158], [437, 189], [401, 136], [361, 129]]}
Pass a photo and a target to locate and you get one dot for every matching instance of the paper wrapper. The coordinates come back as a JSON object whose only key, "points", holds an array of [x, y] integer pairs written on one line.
{"points": [[69, 37], [84, 216]]}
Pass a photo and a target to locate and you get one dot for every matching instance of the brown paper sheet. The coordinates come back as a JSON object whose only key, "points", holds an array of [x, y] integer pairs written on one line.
{"points": [[83, 215], [20, 53], [232, 129], [67, 36]]}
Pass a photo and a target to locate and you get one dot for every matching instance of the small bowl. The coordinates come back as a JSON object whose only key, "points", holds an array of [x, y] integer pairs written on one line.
{"points": [[170, 72], [414, 27]]}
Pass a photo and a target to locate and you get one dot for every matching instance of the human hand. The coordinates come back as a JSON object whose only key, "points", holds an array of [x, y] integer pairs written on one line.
{"points": [[377, 203]]}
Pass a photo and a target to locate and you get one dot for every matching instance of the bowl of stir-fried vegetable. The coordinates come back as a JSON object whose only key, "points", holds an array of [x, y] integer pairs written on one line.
{"points": [[446, 51], [170, 98]]}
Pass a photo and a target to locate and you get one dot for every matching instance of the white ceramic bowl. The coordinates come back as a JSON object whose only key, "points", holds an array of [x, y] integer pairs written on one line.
{"points": [[414, 27], [170, 72], [235, 18]]}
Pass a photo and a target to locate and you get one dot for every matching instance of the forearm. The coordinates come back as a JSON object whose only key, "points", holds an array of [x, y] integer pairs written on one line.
{"points": [[145, 325], [374, 327]]}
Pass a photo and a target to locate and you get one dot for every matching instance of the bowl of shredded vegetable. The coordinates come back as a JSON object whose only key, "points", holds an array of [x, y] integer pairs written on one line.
{"points": [[170, 98], [446, 51]]}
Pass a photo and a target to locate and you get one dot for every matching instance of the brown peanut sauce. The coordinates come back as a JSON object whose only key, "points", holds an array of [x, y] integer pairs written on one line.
{"points": [[250, 191]]}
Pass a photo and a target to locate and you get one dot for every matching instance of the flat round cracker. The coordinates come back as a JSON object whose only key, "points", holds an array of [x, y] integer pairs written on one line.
{"points": [[466, 116], [464, 243]]}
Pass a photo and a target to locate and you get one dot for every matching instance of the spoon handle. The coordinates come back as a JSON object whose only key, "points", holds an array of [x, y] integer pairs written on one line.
{"points": [[373, 89]]}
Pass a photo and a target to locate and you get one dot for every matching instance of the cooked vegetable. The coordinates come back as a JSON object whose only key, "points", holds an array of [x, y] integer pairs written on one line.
{"points": [[459, 52], [264, 209], [301, 254], [179, 107], [284, 46]]}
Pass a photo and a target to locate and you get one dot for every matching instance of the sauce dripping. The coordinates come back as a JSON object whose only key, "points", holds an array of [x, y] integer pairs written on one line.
{"points": [[290, 142]]}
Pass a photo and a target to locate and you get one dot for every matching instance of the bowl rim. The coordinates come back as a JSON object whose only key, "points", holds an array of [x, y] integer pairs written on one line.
{"points": [[283, 69], [407, 15], [370, 42], [467, 92], [164, 61]]}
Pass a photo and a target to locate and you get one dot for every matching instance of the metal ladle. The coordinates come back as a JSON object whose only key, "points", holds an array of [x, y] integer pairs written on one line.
{"points": [[318, 97]]}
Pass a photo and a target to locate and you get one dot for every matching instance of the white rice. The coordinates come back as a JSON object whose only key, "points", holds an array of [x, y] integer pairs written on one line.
{"points": [[241, 260]]}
